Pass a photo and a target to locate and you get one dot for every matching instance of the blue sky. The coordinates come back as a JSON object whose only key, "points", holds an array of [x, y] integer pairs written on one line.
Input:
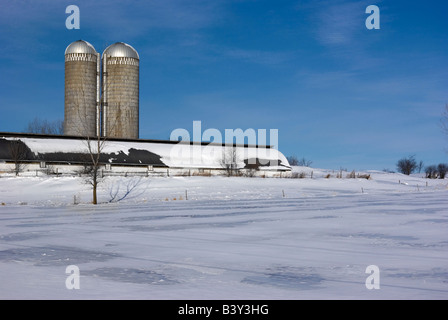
{"points": [[339, 94]]}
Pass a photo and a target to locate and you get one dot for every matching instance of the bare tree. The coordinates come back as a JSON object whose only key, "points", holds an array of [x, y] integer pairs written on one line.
{"points": [[94, 146], [18, 153], [94, 149], [45, 127], [407, 165], [293, 161], [420, 166], [304, 162], [229, 161], [431, 172], [442, 168]]}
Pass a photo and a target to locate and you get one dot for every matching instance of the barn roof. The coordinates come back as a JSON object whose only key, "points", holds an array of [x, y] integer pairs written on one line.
{"points": [[163, 153]]}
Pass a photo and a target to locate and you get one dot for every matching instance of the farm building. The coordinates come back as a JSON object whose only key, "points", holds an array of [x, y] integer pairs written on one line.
{"points": [[70, 154]]}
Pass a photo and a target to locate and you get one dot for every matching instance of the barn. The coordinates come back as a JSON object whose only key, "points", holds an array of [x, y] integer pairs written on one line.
{"points": [[63, 154]]}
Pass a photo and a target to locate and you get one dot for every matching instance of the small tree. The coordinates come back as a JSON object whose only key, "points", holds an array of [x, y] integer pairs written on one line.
{"points": [[293, 161], [94, 149], [229, 160], [442, 168], [18, 152], [304, 162], [407, 165], [431, 172], [94, 146], [420, 166]]}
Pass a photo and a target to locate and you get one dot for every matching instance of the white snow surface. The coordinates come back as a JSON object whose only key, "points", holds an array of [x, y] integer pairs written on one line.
{"points": [[232, 238]]}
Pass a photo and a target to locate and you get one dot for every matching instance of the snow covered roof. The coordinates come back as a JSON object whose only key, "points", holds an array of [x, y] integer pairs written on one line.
{"points": [[147, 152]]}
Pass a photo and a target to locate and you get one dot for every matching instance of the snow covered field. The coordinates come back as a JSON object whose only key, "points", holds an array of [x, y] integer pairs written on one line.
{"points": [[232, 238]]}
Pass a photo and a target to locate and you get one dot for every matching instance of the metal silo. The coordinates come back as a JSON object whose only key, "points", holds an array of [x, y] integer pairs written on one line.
{"points": [[82, 90], [120, 91]]}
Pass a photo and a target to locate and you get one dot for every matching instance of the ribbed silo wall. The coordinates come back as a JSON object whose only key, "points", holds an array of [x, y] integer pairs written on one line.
{"points": [[80, 94], [121, 98]]}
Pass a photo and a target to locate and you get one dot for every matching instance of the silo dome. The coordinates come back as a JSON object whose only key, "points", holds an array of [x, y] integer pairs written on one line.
{"points": [[121, 49], [80, 46]]}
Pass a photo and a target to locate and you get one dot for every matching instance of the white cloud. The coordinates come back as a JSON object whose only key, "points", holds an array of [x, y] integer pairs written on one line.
{"points": [[338, 23]]}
